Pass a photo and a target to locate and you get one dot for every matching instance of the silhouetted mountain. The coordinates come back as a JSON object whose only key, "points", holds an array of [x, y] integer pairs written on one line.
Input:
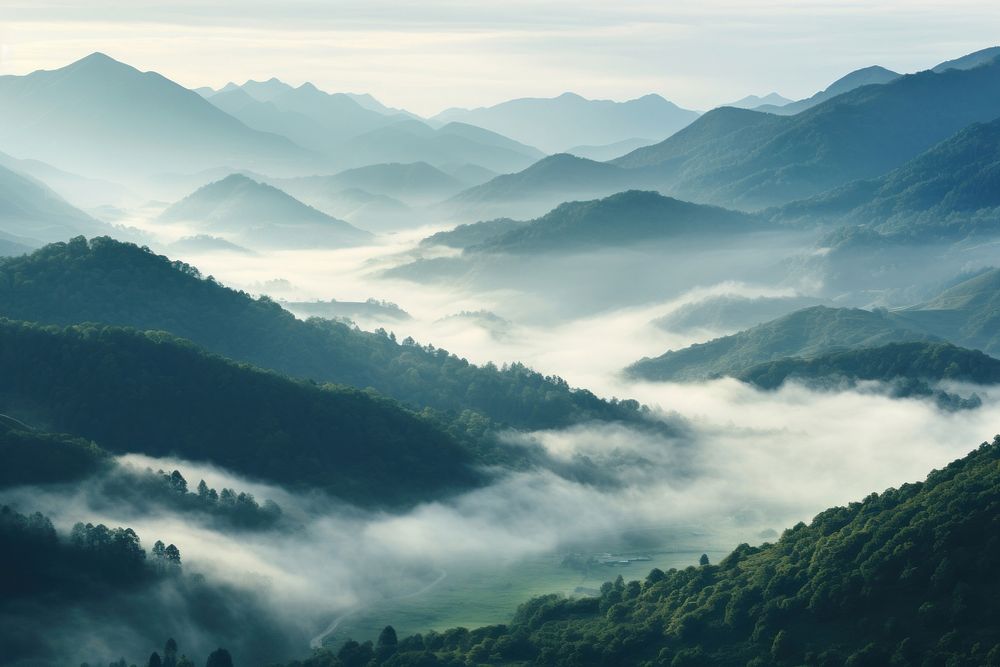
{"points": [[80, 191], [967, 314], [121, 284], [98, 116], [951, 190], [570, 120], [729, 313], [748, 159], [415, 183], [542, 186], [306, 115], [623, 219], [412, 140], [915, 563], [31, 211], [609, 151], [261, 214], [152, 394], [806, 333], [971, 60], [862, 77], [205, 243], [753, 101]]}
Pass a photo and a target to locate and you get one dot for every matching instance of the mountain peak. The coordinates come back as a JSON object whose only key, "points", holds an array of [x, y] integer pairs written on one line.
{"points": [[96, 59]]}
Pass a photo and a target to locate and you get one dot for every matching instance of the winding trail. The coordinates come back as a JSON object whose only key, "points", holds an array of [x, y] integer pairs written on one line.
{"points": [[317, 641]]}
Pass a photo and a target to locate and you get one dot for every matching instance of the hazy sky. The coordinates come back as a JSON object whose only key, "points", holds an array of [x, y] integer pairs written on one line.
{"points": [[433, 54]]}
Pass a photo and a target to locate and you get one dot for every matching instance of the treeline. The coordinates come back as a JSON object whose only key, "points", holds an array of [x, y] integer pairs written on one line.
{"points": [[153, 394], [107, 281], [905, 577]]}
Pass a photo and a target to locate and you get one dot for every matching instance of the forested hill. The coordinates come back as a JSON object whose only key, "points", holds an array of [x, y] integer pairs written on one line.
{"points": [[107, 281], [805, 333], [905, 577], [912, 361], [153, 394]]}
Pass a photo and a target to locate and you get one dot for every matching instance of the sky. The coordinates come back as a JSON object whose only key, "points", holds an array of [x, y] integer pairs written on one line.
{"points": [[436, 54]]}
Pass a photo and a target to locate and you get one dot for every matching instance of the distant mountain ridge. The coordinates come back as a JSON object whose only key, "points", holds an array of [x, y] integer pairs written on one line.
{"points": [[863, 77], [101, 117], [750, 160], [560, 123]]}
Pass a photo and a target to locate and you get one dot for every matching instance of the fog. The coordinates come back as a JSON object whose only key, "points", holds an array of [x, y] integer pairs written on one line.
{"points": [[736, 465]]}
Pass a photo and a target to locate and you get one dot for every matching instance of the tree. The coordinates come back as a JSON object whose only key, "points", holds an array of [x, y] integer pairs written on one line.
{"points": [[219, 658], [178, 482], [154, 660], [387, 637], [703, 560], [202, 490], [170, 653], [172, 555]]}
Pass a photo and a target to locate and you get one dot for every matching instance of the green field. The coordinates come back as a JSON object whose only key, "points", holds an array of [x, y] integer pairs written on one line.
{"points": [[475, 596]]}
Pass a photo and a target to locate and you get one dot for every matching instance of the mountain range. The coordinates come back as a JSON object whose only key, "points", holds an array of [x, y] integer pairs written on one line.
{"points": [[561, 123], [103, 118], [748, 159]]}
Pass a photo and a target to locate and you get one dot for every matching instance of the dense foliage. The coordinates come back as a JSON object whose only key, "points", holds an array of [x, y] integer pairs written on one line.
{"points": [[920, 361], [805, 333], [53, 583], [904, 577], [33, 457], [119, 283], [949, 191], [154, 394], [967, 313]]}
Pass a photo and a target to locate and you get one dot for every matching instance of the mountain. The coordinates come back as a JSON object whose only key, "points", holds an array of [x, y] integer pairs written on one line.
{"points": [[609, 151], [747, 159], [306, 115], [967, 314], [258, 213], [473, 234], [971, 60], [951, 189], [203, 243], [153, 394], [413, 183], [915, 563], [556, 124], [753, 101], [728, 313], [35, 214], [863, 77], [806, 333], [623, 219], [121, 284], [81, 191], [411, 140], [103, 118], [909, 362], [543, 185]]}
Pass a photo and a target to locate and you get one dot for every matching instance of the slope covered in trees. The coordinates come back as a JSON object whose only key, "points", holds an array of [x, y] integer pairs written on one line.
{"points": [[121, 284], [805, 333], [904, 577], [951, 190], [153, 394], [622, 219], [967, 313]]}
